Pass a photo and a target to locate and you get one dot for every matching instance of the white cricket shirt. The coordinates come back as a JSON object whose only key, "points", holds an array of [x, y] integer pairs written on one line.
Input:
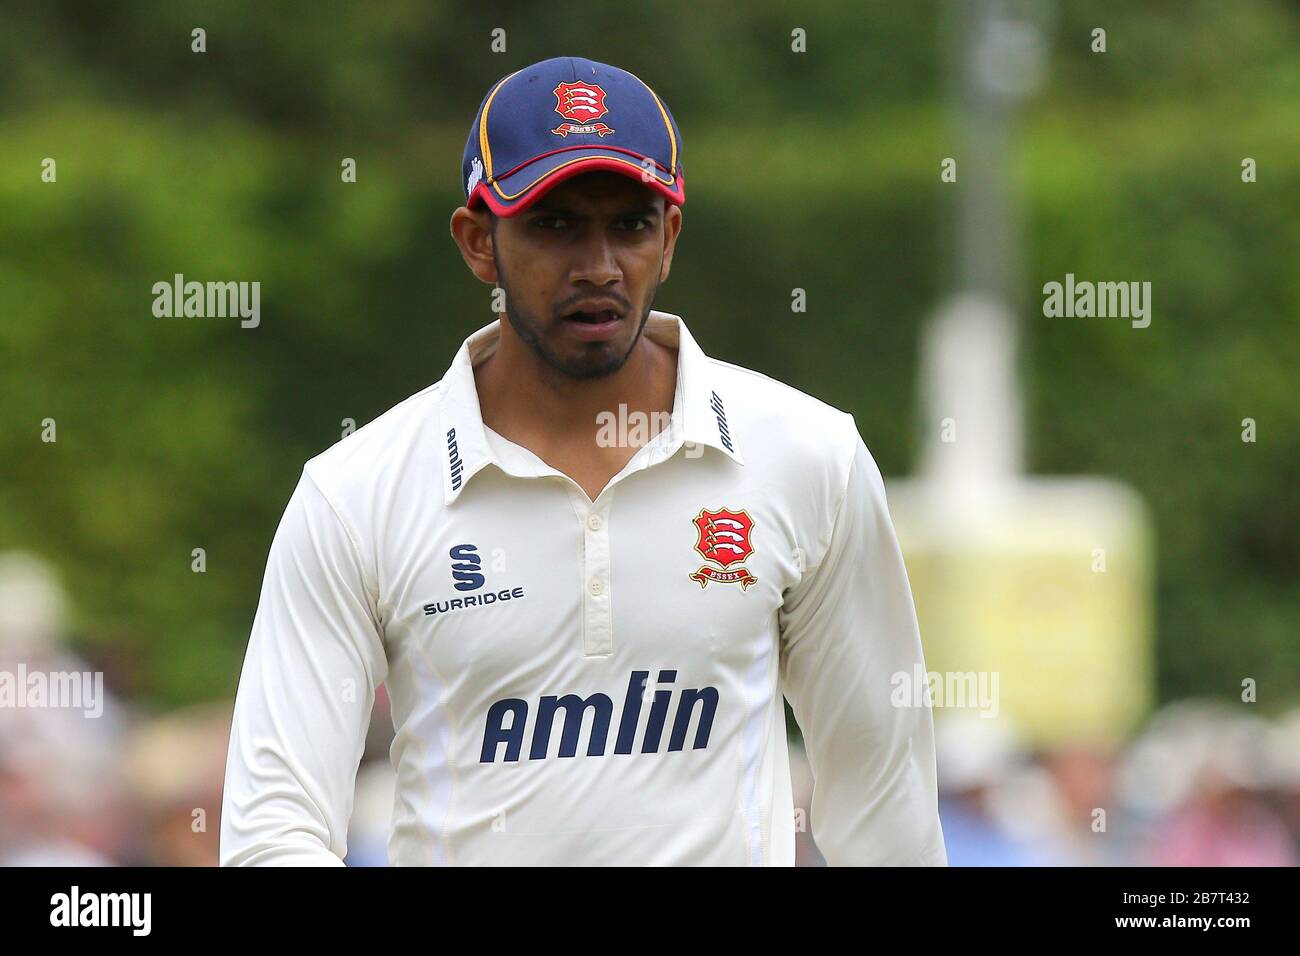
{"points": [[579, 682]]}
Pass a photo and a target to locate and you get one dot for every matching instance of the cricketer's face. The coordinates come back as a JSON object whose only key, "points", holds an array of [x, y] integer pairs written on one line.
{"points": [[580, 269]]}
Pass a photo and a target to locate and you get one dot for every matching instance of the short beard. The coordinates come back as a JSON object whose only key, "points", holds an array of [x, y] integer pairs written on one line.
{"points": [[529, 332]]}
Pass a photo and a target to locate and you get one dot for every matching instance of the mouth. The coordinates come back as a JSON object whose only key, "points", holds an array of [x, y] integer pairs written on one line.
{"points": [[594, 318], [592, 326]]}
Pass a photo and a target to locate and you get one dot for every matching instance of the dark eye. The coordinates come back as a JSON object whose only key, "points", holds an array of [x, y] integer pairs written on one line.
{"points": [[541, 222], [635, 220]]}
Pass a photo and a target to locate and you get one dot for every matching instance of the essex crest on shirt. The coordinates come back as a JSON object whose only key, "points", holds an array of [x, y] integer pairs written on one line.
{"points": [[724, 539]]}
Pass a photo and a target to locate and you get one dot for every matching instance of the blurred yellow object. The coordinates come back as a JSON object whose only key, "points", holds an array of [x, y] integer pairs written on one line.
{"points": [[1044, 583]]}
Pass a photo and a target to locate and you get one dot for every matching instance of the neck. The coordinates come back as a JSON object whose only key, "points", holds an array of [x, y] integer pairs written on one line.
{"points": [[521, 396]]}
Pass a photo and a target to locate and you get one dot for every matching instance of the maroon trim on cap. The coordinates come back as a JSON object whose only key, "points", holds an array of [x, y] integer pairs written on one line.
{"points": [[564, 149], [483, 192]]}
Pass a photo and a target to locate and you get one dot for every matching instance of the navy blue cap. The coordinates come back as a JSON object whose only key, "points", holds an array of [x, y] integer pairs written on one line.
{"points": [[567, 115]]}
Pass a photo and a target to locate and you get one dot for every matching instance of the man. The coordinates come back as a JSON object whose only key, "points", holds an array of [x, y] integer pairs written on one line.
{"points": [[586, 563]]}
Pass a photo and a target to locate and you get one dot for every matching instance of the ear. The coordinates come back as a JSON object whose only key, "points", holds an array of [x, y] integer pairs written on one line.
{"points": [[472, 231], [672, 228]]}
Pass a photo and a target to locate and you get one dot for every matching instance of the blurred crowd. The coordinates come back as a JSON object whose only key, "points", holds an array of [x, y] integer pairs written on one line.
{"points": [[1200, 784]]}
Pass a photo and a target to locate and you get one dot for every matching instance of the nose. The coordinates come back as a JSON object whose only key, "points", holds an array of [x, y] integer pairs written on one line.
{"points": [[597, 260]]}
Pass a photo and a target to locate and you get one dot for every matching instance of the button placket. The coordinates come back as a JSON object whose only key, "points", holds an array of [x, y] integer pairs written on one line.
{"points": [[597, 604]]}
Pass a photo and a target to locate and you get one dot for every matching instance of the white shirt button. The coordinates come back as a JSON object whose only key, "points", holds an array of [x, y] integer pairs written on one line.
{"points": [[596, 586], [594, 522]]}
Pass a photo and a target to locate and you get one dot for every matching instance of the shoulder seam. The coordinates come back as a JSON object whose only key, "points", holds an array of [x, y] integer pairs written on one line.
{"points": [[351, 536], [844, 491]]}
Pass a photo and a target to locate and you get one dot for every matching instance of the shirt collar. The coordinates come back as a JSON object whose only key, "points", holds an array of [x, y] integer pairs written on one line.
{"points": [[699, 416]]}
